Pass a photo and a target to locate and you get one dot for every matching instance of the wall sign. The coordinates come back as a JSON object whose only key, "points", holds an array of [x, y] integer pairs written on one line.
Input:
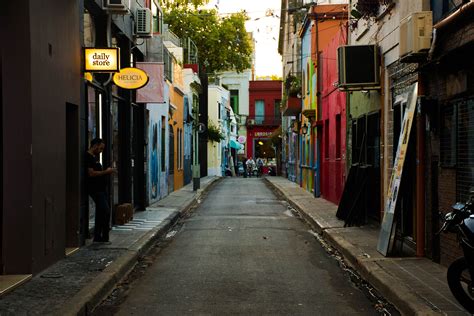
{"points": [[101, 59], [130, 78], [262, 134]]}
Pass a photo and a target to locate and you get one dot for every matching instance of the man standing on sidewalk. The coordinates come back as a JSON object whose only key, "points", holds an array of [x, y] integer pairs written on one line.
{"points": [[97, 180]]}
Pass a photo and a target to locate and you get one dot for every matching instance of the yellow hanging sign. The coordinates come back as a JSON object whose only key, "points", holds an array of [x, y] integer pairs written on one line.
{"points": [[130, 78], [101, 59]]}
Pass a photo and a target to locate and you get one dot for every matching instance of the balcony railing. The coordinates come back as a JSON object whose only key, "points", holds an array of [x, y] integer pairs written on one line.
{"points": [[264, 120], [169, 36]]}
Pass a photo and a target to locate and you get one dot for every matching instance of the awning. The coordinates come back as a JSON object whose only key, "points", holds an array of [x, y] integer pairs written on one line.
{"points": [[235, 145]]}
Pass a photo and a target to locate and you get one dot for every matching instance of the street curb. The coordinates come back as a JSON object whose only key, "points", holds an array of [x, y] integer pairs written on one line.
{"points": [[92, 295], [401, 296]]}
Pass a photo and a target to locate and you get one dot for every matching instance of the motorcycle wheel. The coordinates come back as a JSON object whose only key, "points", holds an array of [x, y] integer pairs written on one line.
{"points": [[460, 283]]}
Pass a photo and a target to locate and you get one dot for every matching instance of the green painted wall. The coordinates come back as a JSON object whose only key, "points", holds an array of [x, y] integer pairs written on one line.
{"points": [[361, 103]]}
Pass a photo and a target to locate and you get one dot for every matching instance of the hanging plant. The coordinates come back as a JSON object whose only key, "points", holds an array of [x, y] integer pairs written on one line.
{"points": [[293, 85], [368, 8], [213, 133]]}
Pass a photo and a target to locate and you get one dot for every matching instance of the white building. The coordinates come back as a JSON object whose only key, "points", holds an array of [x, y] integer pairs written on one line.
{"points": [[218, 98]]}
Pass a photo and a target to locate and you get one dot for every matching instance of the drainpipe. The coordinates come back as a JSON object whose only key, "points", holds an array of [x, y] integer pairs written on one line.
{"points": [[317, 180], [464, 9]]}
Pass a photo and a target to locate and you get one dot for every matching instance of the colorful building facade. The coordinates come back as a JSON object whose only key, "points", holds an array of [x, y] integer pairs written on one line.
{"points": [[333, 120], [264, 118]]}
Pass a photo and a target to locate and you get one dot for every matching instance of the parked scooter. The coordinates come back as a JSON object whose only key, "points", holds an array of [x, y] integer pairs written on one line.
{"points": [[461, 272]]}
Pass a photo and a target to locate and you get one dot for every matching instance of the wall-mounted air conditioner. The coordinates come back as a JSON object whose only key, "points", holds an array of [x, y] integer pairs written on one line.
{"points": [[359, 67], [116, 6], [144, 22], [415, 34]]}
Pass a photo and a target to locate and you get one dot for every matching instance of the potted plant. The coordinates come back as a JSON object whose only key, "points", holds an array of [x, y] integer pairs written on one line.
{"points": [[293, 85], [213, 133]]}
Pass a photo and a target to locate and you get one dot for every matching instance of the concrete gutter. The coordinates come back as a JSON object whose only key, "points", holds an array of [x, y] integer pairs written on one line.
{"points": [[96, 291]]}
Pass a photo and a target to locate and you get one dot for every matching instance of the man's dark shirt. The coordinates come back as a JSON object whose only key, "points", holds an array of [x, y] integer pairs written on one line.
{"points": [[99, 183]]}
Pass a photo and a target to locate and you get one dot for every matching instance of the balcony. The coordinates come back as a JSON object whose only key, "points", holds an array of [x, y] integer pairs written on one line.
{"points": [[264, 120], [169, 38], [292, 107]]}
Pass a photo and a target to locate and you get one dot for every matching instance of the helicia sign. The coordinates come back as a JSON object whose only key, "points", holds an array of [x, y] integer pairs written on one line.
{"points": [[130, 78]]}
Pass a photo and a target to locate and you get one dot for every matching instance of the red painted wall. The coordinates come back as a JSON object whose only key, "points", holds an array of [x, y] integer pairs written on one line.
{"points": [[333, 103], [269, 91]]}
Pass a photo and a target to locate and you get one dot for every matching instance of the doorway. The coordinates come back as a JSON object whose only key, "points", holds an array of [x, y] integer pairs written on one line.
{"points": [[1, 169], [138, 157], [72, 218]]}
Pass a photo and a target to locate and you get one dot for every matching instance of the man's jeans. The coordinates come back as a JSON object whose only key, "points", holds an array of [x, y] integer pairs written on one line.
{"points": [[102, 216]]}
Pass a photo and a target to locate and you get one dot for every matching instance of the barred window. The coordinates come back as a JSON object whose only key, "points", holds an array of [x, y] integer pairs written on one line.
{"points": [[448, 136], [465, 146], [457, 144]]}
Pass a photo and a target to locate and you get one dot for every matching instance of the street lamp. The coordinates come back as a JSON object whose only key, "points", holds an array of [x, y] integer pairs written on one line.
{"points": [[304, 129]]}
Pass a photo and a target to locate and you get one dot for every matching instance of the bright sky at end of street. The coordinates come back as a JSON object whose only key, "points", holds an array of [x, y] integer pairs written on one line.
{"points": [[264, 23]]}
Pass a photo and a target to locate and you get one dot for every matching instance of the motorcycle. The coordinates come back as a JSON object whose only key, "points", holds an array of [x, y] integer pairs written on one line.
{"points": [[461, 272]]}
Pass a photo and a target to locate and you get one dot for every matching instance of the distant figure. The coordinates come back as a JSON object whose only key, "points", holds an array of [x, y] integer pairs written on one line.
{"points": [[260, 166], [250, 163], [97, 180]]}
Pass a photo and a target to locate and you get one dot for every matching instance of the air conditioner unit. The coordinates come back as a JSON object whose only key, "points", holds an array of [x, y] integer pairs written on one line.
{"points": [[144, 22], [116, 6], [250, 122], [359, 67], [415, 34]]}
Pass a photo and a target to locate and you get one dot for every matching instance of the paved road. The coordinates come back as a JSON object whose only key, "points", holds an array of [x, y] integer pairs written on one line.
{"points": [[242, 252]]}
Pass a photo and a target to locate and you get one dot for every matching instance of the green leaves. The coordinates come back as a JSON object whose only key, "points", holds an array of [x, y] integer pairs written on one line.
{"points": [[213, 133], [222, 42]]}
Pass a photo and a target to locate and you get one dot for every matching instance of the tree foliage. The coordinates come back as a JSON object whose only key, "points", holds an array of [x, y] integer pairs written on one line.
{"points": [[222, 42]]}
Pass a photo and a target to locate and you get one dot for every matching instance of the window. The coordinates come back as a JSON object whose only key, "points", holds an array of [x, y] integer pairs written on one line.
{"points": [[277, 108], [338, 136], [234, 101], [465, 149], [259, 111], [163, 143], [448, 136], [457, 144], [168, 60], [171, 149], [157, 17], [180, 148], [441, 8]]}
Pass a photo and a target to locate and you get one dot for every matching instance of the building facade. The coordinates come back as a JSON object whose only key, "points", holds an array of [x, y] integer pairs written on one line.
{"points": [[42, 145], [264, 118]]}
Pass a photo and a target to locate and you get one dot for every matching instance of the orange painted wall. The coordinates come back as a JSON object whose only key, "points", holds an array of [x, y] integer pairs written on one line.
{"points": [[327, 27], [177, 99]]}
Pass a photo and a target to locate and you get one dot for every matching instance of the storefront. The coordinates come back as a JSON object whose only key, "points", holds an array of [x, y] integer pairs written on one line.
{"points": [[449, 110]]}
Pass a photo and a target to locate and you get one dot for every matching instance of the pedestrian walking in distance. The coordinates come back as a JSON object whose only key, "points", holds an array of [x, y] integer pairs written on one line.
{"points": [[97, 180]]}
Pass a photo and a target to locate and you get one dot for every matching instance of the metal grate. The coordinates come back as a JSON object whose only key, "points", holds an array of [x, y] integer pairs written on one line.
{"points": [[457, 143], [465, 149]]}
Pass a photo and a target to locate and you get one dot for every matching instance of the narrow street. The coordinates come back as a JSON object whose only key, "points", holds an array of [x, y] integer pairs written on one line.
{"points": [[243, 252]]}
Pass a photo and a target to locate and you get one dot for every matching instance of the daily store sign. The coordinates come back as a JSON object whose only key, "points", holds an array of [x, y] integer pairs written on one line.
{"points": [[106, 60], [102, 59], [130, 78]]}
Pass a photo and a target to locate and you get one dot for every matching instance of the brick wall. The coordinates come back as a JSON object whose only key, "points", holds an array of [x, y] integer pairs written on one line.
{"points": [[449, 58]]}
